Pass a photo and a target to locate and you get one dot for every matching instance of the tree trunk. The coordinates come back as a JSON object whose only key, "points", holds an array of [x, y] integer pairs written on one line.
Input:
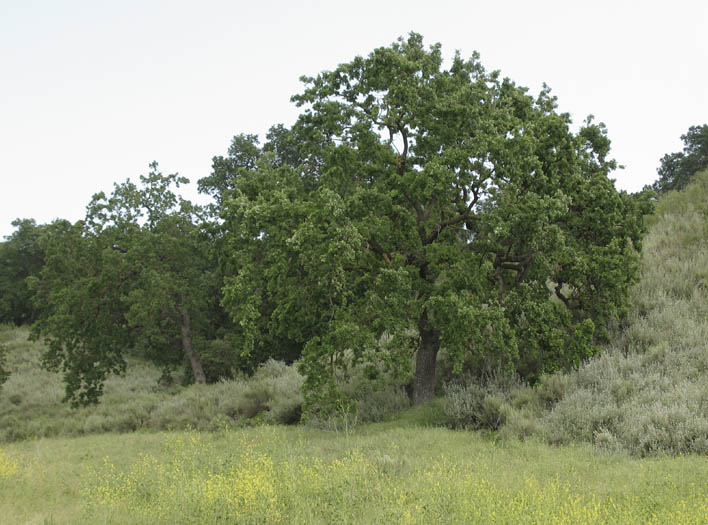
{"points": [[424, 385], [196, 364]]}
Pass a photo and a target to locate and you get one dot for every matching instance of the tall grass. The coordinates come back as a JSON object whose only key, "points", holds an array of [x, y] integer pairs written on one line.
{"points": [[31, 400], [377, 474]]}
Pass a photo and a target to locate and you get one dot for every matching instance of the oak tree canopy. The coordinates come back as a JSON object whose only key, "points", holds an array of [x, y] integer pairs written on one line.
{"points": [[415, 206]]}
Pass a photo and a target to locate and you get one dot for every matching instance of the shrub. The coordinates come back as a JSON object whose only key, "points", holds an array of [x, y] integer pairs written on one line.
{"points": [[272, 393], [520, 424], [474, 404], [373, 393], [551, 388]]}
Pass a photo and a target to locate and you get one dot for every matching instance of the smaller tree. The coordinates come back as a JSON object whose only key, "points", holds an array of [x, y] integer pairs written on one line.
{"points": [[136, 274], [270, 298], [677, 169], [20, 258]]}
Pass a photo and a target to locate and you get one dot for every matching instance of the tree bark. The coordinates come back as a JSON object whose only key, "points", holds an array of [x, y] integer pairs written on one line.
{"points": [[424, 385], [195, 363]]}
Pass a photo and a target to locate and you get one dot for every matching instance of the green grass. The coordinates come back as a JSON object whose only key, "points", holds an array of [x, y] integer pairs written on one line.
{"points": [[31, 400], [378, 473]]}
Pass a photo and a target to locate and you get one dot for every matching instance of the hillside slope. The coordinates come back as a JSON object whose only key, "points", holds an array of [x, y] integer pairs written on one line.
{"points": [[648, 393]]}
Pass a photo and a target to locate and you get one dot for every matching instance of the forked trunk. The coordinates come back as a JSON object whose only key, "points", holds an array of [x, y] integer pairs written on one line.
{"points": [[424, 385], [195, 363]]}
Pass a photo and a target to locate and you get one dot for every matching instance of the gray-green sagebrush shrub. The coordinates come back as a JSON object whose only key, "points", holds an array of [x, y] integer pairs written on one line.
{"points": [[648, 393], [473, 403], [271, 395], [501, 402], [279, 388]]}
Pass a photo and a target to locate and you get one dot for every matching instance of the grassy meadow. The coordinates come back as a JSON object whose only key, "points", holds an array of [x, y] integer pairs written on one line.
{"points": [[380, 473], [623, 439]]}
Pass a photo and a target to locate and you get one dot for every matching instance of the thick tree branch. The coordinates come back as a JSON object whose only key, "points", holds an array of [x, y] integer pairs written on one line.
{"points": [[463, 217], [559, 294], [376, 247], [521, 264]]}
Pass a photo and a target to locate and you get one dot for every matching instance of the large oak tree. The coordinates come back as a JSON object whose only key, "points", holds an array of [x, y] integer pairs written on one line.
{"points": [[410, 198]]}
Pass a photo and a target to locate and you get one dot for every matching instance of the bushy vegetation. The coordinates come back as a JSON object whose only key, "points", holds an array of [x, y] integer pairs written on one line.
{"points": [[145, 399], [502, 403], [142, 399], [647, 393]]}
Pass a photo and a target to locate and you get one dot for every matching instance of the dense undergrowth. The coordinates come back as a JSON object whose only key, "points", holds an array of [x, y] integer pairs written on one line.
{"points": [[647, 393], [31, 400]]}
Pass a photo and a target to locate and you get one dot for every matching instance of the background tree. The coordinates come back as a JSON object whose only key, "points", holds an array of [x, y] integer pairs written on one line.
{"points": [[135, 275], [447, 203], [677, 169], [20, 258]]}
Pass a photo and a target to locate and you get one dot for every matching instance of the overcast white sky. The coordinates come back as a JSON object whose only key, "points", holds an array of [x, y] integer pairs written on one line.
{"points": [[92, 91]]}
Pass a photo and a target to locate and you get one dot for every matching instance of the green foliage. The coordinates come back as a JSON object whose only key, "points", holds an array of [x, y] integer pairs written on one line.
{"points": [[139, 400], [4, 374], [136, 275], [646, 394], [219, 358], [408, 198], [368, 393], [21, 259], [678, 169]]}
